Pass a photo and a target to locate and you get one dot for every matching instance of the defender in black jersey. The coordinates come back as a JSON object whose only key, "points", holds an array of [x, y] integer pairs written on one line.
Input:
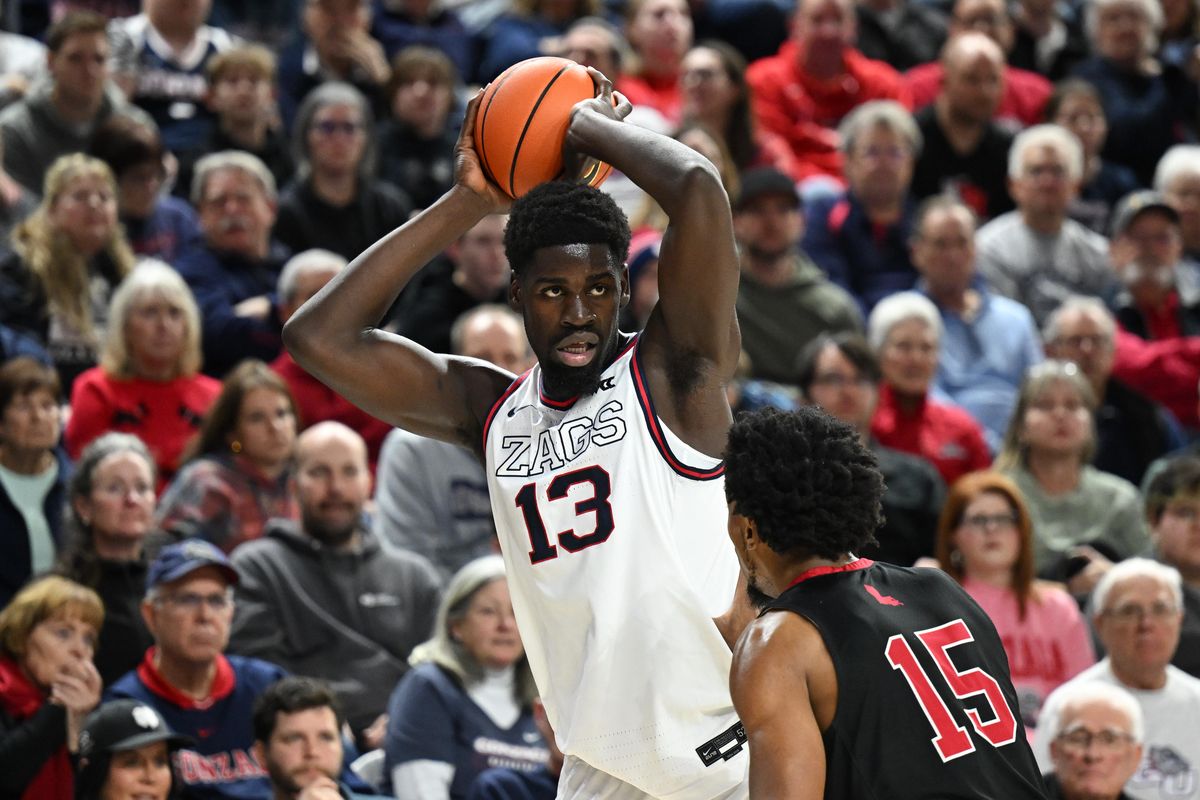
{"points": [[883, 682]]}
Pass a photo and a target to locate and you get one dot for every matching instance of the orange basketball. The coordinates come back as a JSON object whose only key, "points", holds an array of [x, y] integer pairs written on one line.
{"points": [[522, 121]]}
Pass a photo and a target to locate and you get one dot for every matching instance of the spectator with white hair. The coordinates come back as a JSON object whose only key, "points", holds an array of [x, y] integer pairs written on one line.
{"points": [[148, 382], [988, 341], [1131, 429], [302, 277], [1151, 105], [1096, 743], [860, 236], [1083, 518], [1177, 176], [336, 202], [1036, 254], [233, 275], [905, 331], [1136, 609]]}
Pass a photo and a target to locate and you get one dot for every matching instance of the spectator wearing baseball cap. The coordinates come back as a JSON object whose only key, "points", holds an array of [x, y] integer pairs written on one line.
{"points": [[187, 678], [124, 751], [784, 299]]}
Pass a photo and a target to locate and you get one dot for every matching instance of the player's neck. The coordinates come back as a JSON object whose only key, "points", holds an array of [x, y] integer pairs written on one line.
{"points": [[792, 570]]}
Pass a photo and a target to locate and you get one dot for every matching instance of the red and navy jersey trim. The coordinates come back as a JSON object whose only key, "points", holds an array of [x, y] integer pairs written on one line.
{"points": [[563, 405], [816, 572], [656, 432], [512, 387]]}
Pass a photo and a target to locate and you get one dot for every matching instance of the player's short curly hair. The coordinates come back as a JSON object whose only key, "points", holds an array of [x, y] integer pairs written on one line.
{"points": [[807, 480], [558, 213]]}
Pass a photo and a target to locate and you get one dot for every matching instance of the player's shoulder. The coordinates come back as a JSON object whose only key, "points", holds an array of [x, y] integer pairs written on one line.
{"points": [[777, 633]]}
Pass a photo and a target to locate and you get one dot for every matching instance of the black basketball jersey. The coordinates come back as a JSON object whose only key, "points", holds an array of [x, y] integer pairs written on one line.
{"points": [[926, 707]]}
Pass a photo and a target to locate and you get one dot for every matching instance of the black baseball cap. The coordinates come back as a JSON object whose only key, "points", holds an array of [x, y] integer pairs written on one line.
{"points": [[1136, 203], [125, 725], [764, 182], [177, 560]]}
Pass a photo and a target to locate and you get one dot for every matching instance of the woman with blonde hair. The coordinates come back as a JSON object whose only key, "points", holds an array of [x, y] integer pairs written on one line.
{"points": [[236, 471], [985, 542], [148, 382], [1082, 517], [48, 685], [468, 697], [68, 257]]}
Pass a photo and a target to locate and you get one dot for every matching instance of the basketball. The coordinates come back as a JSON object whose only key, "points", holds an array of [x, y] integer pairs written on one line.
{"points": [[522, 122]]}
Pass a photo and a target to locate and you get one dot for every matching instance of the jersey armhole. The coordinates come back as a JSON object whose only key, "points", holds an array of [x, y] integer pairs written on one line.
{"points": [[512, 387], [659, 433]]}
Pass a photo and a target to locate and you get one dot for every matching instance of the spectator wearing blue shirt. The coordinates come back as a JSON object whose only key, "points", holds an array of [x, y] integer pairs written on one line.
{"points": [[860, 237], [467, 703], [988, 341], [505, 783], [233, 275]]}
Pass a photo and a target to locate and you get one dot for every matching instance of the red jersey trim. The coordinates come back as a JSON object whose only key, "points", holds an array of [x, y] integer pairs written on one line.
{"points": [[656, 433], [512, 387], [563, 405], [816, 572], [223, 684]]}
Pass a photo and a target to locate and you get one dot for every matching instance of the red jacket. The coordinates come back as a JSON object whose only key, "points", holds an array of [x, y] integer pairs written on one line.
{"points": [[946, 436], [1166, 371], [806, 111]]}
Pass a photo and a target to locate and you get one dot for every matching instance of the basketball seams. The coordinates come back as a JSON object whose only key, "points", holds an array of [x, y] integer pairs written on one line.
{"points": [[512, 171], [480, 138]]}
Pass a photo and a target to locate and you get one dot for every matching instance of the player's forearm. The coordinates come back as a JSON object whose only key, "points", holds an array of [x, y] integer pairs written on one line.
{"points": [[357, 299]]}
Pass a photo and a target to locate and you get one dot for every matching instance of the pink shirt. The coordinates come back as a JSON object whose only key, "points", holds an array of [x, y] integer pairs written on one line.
{"points": [[1051, 645]]}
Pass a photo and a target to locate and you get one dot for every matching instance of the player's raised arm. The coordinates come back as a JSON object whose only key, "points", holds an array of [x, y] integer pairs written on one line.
{"points": [[334, 335]]}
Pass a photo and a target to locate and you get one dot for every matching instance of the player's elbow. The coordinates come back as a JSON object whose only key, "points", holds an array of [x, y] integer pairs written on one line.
{"points": [[304, 338]]}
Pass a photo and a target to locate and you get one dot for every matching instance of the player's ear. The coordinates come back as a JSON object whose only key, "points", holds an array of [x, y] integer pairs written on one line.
{"points": [[514, 293], [626, 289]]}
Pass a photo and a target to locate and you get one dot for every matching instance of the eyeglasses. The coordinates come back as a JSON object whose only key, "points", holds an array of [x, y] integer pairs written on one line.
{"points": [[878, 153], [191, 601], [835, 381], [987, 522], [329, 127], [1096, 341], [1132, 612], [119, 489], [1080, 739]]}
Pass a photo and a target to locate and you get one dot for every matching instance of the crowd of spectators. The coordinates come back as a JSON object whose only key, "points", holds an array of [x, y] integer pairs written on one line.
{"points": [[969, 229]]}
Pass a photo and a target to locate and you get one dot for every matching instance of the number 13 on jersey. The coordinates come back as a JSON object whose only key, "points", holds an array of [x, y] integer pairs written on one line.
{"points": [[539, 538], [952, 740]]}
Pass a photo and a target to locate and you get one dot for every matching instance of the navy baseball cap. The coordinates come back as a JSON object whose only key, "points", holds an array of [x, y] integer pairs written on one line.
{"points": [[765, 182], [121, 725], [177, 560]]}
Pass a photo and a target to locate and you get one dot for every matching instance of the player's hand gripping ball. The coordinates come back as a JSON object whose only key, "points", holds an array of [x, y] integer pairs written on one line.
{"points": [[522, 122]]}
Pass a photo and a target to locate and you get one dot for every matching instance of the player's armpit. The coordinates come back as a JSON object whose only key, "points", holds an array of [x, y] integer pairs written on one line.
{"points": [[770, 685]]}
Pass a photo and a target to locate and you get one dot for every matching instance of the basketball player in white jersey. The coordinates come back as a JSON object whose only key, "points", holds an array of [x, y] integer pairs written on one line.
{"points": [[603, 460]]}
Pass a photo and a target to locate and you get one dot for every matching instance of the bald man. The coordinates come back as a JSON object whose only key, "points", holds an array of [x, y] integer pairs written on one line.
{"points": [[966, 150], [323, 597]]}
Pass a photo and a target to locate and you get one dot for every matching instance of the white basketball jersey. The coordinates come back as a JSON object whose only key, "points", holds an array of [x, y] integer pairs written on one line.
{"points": [[614, 537]]}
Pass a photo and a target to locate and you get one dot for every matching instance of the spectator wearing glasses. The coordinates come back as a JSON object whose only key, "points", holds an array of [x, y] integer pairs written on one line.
{"points": [[985, 542], [1137, 611], [187, 678], [1096, 744], [1173, 514]]}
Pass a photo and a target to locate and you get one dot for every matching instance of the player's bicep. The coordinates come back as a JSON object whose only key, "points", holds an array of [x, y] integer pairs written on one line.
{"points": [[770, 689]]}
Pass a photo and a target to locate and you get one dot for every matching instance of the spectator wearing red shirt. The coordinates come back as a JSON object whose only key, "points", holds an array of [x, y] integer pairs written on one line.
{"points": [[1025, 93], [148, 382], [904, 330], [301, 278], [803, 91], [660, 33]]}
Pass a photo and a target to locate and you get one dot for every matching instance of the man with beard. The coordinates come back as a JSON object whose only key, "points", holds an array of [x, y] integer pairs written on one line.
{"points": [[323, 597], [784, 300], [835, 699], [298, 740], [615, 574]]}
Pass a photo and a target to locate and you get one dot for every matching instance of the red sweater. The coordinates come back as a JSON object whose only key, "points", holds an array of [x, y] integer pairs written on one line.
{"points": [[163, 415], [806, 111], [946, 436], [1166, 371], [659, 92], [317, 403]]}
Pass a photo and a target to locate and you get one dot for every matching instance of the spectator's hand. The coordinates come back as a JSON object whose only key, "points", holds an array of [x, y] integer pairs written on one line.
{"points": [[367, 54], [323, 788], [372, 735], [255, 307], [1082, 582], [77, 689], [1121, 253]]}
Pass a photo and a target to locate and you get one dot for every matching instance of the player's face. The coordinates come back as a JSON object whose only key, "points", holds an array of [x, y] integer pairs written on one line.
{"points": [[1177, 534], [909, 357], [1094, 755], [570, 297], [190, 619], [843, 391], [987, 536], [143, 773], [1139, 626], [1057, 421], [304, 748], [488, 629]]}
